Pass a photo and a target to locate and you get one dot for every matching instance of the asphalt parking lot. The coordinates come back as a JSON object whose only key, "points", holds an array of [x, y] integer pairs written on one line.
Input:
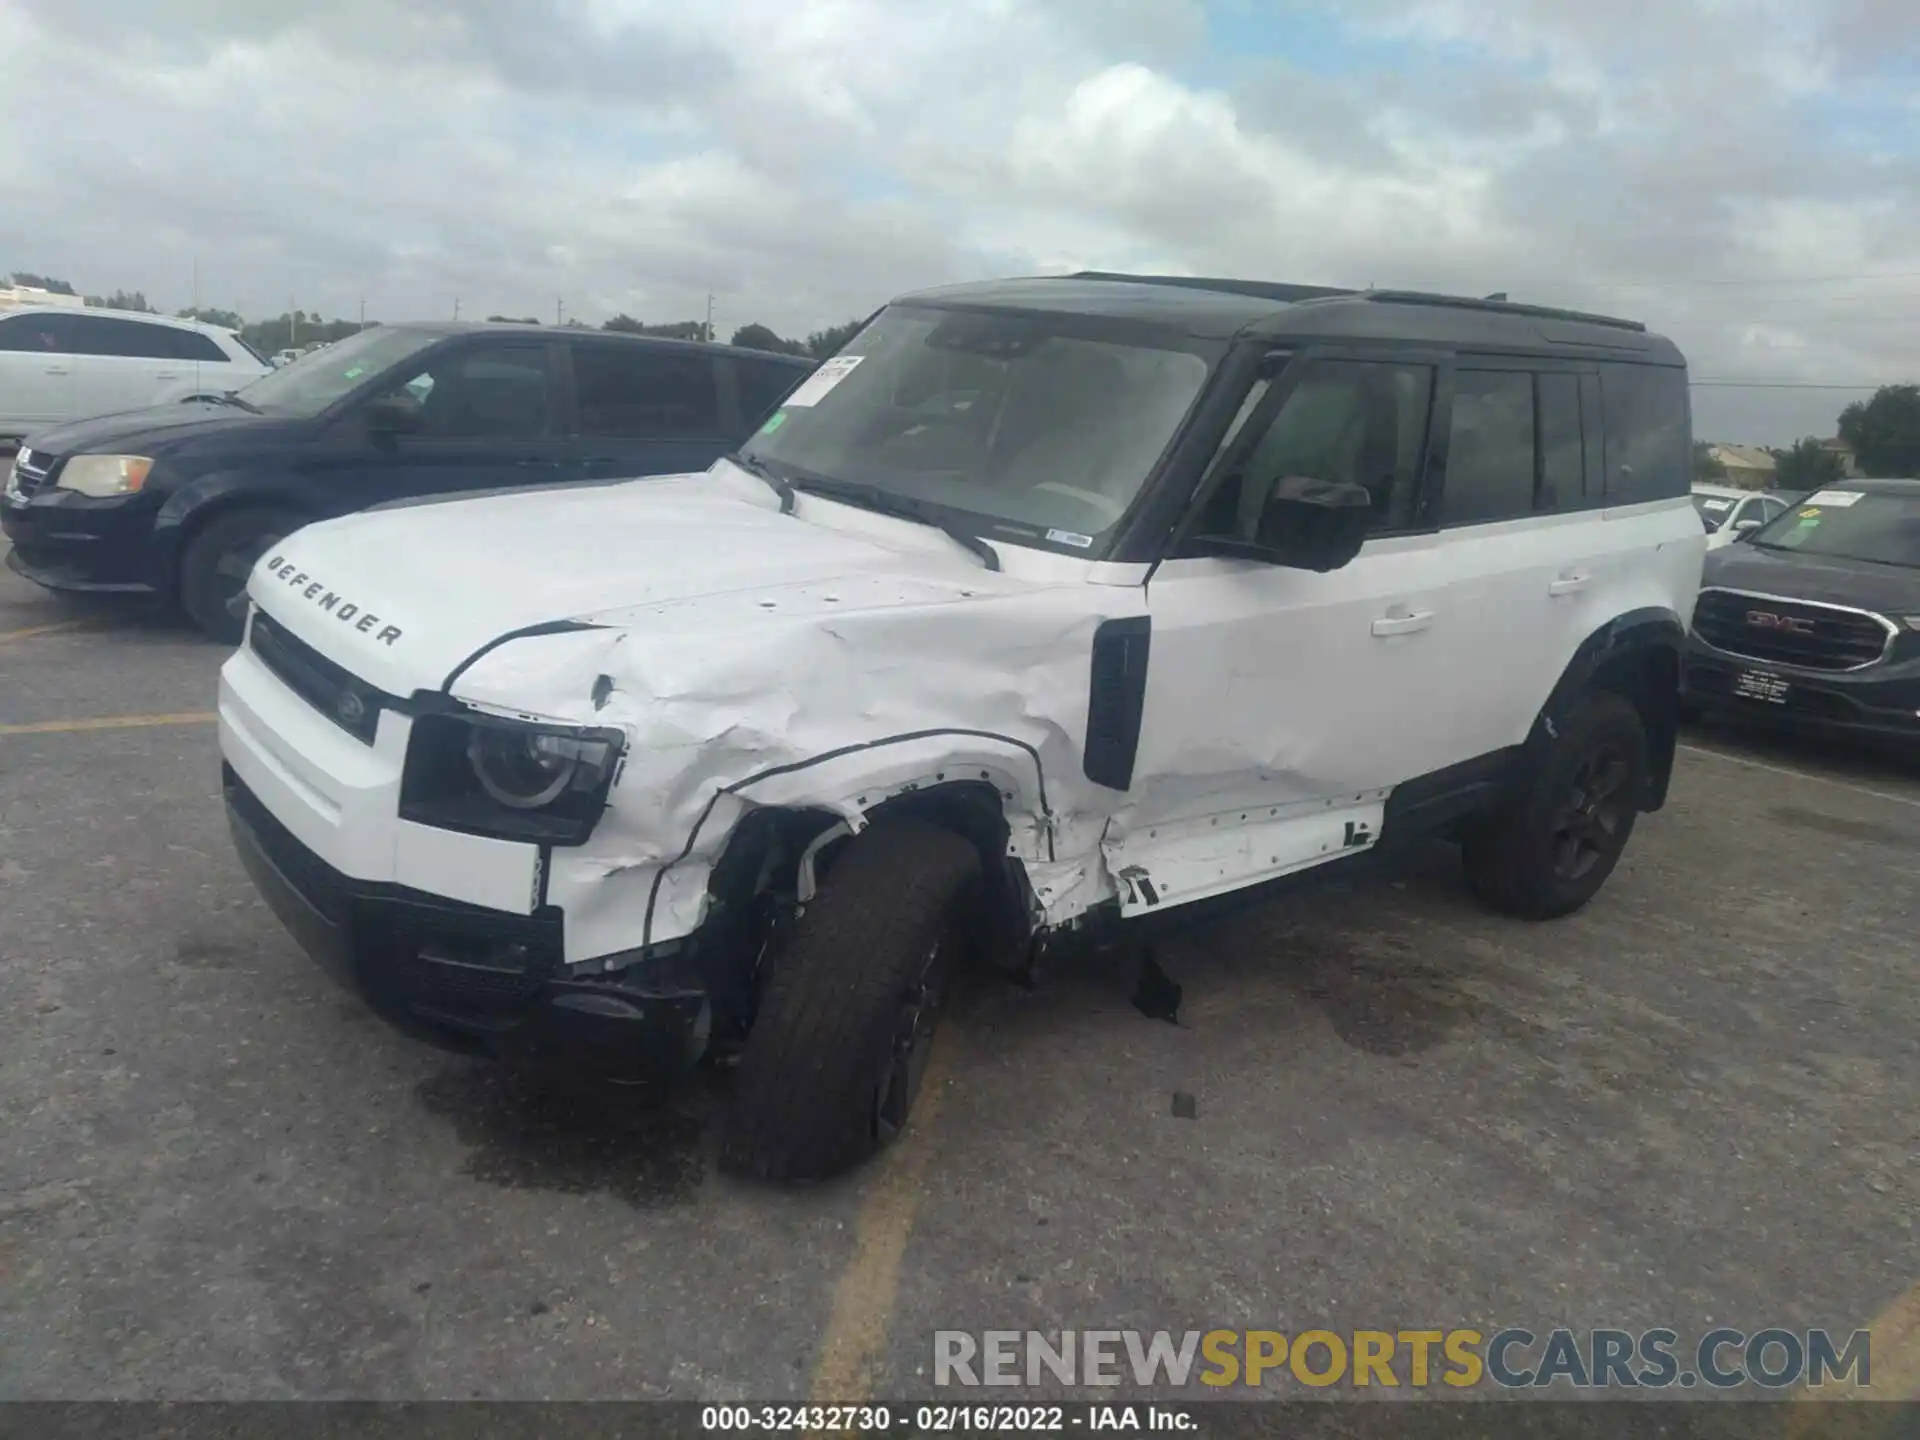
{"points": [[1696, 1103]]}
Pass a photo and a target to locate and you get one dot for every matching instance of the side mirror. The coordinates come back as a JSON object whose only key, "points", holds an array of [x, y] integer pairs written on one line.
{"points": [[1307, 524], [392, 415], [1745, 528]]}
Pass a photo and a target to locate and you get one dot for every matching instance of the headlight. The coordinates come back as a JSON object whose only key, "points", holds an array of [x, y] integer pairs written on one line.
{"points": [[507, 778], [104, 475], [526, 769]]}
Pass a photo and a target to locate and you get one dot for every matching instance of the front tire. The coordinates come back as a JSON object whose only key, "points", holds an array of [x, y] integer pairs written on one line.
{"points": [[846, 1019], [218, 560], [1551, 846]]}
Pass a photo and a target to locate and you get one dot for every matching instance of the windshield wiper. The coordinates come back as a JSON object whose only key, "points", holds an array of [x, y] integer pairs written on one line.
{"points": [[230, 398], [885, 502], [779, 484]]}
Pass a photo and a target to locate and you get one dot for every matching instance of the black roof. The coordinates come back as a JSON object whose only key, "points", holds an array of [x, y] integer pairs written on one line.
{"points": [[1222, 309], [446, 329]]}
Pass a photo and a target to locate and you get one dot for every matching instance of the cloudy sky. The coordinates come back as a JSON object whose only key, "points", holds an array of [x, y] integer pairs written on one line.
{"points": [[1742, 174]]}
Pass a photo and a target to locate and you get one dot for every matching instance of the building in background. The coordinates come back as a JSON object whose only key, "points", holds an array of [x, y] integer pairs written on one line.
{"points": [[1747, 467], [12, 297], [1843, 452]]}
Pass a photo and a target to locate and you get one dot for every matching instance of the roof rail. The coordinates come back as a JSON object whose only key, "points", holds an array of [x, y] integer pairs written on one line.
{"points": [[1500, 307], [1258, 289]]}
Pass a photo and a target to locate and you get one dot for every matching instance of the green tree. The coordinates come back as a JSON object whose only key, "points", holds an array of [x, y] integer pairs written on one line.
{"points": [[296, 329], [1885, 431], [1804, 465], [207, 315], [822, 343], [673, 330], [41, 282], [759, 337], [122, 300], [1705, 467]]}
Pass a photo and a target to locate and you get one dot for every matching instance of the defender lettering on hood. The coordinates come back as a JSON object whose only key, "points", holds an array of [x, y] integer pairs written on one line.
{"points": [[341, 609]]}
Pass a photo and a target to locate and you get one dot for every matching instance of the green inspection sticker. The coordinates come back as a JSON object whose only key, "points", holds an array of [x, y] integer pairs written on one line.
{"points": [[774, 422], [355, 373]]}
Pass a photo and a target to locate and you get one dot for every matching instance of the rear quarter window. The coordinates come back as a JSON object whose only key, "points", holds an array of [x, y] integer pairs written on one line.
{"points": [[764, 386], [192, 345], [1649, 432]]}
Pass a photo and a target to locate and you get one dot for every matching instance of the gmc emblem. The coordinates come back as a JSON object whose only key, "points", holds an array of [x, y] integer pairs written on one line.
{"points": [[1767, 620]]}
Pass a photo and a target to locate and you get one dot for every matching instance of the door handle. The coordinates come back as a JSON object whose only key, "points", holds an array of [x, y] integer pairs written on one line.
{"points": [[1403, 624], [1569, 584]]}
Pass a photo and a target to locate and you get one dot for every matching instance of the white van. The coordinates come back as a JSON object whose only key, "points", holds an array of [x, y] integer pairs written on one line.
{"points": [[59, 364]]}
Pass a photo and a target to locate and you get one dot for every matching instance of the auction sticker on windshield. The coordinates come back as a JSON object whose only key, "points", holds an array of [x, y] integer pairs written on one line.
{"points": [[1839, 499], [817, 386]]}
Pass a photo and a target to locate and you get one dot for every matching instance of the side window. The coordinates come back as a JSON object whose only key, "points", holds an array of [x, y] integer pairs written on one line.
{"points": [[39, 334], [1649, 432], [488, 392], [643, 393], [192, 345], [126, 339], [32, 333], [1562, 466], [1358, 421], [764, 386], [1490, 461]]}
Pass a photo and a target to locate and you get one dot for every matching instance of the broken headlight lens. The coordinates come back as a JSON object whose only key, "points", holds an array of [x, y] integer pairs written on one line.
{"points": [[509, 779]]}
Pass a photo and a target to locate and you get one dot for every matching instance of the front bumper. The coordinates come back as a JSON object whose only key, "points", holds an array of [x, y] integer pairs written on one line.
{"points": [[69, 542], [466, 976], [1879, 702]]}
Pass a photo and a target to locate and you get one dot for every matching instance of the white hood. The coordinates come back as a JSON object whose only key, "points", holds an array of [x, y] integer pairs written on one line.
{"points": [[404, 597]]}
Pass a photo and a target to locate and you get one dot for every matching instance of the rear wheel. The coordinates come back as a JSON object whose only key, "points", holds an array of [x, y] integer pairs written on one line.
{"points": [[218, 560], [839, 1048], [1547, 851]]}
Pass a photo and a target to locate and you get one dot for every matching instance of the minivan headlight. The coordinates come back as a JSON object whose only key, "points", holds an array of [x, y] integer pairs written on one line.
{"points": [[103, 475], [509, 779]]}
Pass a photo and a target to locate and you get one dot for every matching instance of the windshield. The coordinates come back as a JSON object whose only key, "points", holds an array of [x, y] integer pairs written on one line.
{"points": [[314, 381], [1849, 525], [1714, 510], [1021, 425]]}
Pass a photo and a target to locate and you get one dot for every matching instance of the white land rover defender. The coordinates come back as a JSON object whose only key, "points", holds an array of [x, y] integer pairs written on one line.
{"points": [[1046, 602]]}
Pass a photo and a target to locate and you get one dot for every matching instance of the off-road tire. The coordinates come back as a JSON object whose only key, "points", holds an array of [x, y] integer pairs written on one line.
{"points": [[1511, 856], [217, 547], [808, 1088]]}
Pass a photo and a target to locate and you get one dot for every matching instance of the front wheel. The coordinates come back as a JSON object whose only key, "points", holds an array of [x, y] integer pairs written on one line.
{"points": [[218, 560], [1547, 851], [846, 1019]]}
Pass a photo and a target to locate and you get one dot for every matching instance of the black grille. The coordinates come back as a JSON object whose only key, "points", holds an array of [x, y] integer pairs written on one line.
{"points": [[1789, 632], [32, 472], [353, 706]]}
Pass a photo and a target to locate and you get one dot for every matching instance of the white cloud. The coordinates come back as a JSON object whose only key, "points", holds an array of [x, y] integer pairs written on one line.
{"points": [[808, 158]]}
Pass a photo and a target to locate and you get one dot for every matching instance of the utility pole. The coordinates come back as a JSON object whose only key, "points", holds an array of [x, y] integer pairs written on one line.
{"points": [[363, 312], [559, 309], [709, 317], [456, 307]]}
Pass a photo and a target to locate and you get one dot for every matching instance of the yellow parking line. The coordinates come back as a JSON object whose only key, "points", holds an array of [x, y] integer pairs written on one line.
{"points": [[53, 629], [863, 1300], [1895, 1376], [110, 722]]}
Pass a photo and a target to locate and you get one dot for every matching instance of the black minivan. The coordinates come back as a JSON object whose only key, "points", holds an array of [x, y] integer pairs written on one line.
{"points": [[178, 502]]}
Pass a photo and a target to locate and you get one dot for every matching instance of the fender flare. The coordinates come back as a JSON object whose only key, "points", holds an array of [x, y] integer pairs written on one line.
{"points": [[1654, 636]]}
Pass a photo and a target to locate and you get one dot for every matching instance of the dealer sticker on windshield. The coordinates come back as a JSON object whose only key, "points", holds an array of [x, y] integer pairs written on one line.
{"points": [[1838, 499], [817, 386], [1071, 537]]}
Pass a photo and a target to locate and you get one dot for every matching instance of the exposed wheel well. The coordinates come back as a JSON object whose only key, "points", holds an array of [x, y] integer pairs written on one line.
{"points": [[761, 865]]}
